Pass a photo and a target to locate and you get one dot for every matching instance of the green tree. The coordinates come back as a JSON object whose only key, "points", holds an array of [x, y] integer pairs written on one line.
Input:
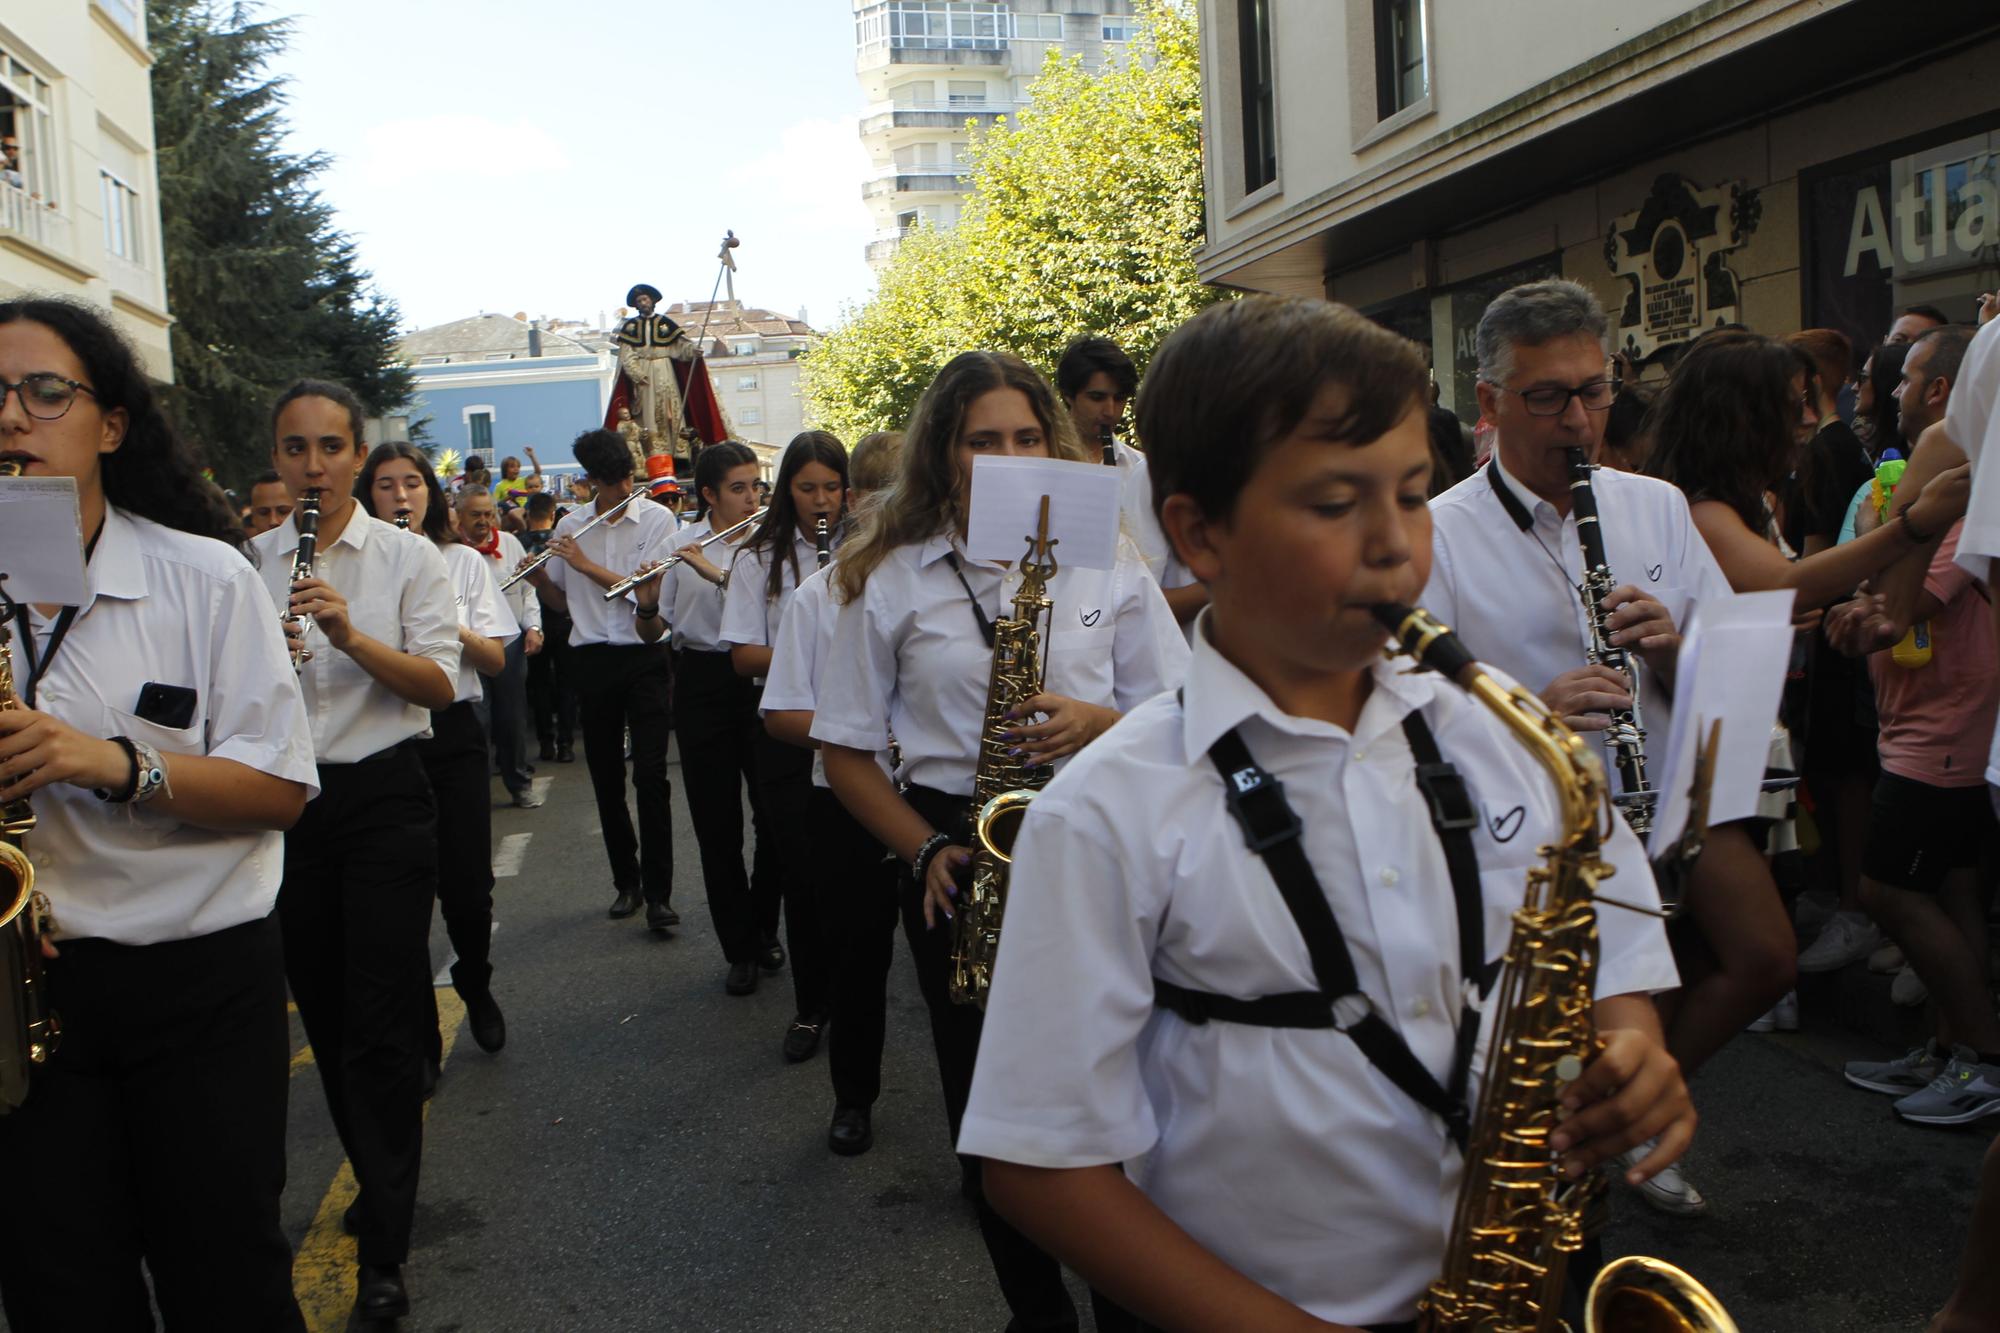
{"points": [[1083, 217], [264, 287]]}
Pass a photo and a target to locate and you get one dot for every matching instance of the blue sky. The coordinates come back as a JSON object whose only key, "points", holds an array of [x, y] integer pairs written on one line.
{"points": [[541, 157]]}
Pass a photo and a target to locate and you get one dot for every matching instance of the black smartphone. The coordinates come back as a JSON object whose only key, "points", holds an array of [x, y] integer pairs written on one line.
{"points": [[166, 705]]}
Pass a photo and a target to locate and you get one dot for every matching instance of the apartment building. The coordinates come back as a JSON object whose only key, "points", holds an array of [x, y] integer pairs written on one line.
{"points": [[930, 70], [1779, 163], [79, 205]]}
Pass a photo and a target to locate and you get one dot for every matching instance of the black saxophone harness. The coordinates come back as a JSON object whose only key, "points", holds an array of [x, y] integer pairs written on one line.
{"points": [[1271, 828]]}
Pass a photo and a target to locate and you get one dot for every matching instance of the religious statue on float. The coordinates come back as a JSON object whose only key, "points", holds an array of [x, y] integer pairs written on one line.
{"points": [[648, 345]]}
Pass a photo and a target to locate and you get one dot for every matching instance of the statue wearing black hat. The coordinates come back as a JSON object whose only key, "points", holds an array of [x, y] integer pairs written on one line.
{"points": [[648, 345]]}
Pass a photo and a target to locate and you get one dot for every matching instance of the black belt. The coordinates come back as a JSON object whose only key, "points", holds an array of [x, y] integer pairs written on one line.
{"points": [[380, 756]]}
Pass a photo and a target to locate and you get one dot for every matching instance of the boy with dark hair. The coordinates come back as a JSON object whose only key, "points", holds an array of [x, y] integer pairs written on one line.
{"points": [[1288, 1180], [622, 682]]}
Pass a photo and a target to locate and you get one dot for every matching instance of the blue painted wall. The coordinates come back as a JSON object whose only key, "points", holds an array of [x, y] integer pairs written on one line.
{"points": [[527, 408]]}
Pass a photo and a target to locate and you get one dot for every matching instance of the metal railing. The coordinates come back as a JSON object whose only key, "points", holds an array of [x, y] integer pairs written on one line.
{"points": [[23, 214]]}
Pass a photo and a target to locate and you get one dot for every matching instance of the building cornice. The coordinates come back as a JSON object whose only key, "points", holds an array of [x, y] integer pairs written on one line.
{"points": [[43, 255], [143, 310]]}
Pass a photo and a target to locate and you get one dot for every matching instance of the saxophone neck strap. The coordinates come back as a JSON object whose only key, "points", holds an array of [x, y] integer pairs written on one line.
{"points": [[34, 668], [978, 611], [1272, 829]]}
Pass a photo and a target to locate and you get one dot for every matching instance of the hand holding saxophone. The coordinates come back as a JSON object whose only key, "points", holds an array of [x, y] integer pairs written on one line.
{"points": [[1067, 726], [38, 750], [1633, 1091], [942, 882]]}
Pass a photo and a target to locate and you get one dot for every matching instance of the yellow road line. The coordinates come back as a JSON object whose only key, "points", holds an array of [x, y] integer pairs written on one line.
{"points": [[302, 1057], [323, 1272]]}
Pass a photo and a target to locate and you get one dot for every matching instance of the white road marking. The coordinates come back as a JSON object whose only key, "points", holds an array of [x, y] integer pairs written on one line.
{"points": [[513, 848]]}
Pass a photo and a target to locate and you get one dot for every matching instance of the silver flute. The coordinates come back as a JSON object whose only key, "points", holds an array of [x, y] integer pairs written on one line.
{"points": [[623, 586], [547, 555]]}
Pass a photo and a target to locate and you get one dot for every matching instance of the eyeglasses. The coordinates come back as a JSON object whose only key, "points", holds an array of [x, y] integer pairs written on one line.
{"points": [[1553, 401], [45, 397]]}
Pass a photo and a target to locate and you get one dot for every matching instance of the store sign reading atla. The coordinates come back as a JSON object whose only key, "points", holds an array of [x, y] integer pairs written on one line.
{"points": [[1943, 217], [1670, 254]]}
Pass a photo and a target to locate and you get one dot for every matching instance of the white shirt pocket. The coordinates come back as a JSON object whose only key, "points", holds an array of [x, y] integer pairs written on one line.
{"points": [[167, 740]]}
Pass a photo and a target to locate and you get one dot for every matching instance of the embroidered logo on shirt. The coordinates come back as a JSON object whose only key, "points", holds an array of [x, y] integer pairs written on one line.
{"points": [[1504, 827], [1089, 618], [1653, 573]]}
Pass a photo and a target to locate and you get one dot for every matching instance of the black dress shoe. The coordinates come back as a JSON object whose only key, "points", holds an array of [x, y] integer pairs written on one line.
{"points": [[659, 916], [380, 1294], [350, 1221], [772, 956], [482, 1015], [851, 1133], [802, 1037], [742, 978], [565, 754], [627, 902]]}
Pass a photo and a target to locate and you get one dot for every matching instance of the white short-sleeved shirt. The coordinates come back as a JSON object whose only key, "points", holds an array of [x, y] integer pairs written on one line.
{"points": [[1283, 1151], [521, 598], [186, 613], [1516, 608], [691, 604], [1972, 420], [803, 644], [908, 656], [640, 533], [397, 593], [749, 616], [1135, 512], [481, 609]]}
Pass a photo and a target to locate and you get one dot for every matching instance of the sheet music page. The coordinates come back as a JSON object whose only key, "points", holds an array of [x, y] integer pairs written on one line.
{"points": [[1006, 500], [41, 541]]}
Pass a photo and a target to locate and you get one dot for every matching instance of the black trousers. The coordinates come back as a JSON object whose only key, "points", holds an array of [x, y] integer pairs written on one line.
{"points": [[551, 693], [618, 687], [360, 873], [854, 892], [155, 1134], [1029, 1279], [715, 719], [454, 760], [784, 774], [502, 714]]}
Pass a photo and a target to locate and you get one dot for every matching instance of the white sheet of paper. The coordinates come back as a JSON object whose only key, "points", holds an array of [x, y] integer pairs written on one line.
{"points": [[1006, 500], [1731, 668], [41, 541]]}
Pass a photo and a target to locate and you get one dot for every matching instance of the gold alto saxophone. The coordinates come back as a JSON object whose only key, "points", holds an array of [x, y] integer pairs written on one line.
{"points": [[1003, 784], [29, 1030], [1518, 1221]]}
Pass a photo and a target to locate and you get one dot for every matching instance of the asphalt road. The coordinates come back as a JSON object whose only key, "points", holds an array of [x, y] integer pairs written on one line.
{"points": [[640, 1157]]}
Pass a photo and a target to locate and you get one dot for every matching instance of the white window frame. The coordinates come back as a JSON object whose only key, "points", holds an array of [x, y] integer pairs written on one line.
{"points": [[746, 384], [743, 349], [34, 127], [128, 15], [123, 218], [750, 415]]}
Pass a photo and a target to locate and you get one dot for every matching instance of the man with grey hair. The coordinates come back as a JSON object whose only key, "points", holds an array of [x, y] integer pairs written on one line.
{"points": [[1507, 563]]}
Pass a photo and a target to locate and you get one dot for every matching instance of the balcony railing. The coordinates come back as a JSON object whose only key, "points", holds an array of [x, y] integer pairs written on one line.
{"points": [[24, 215], [932, 115]]}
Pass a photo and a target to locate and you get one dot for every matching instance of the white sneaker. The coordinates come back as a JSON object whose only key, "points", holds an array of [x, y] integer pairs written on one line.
{"points": [[1908, 989], [1782, 1016], [1848, 938], [1811, 913], [1669, 1191], [1887, 960]]}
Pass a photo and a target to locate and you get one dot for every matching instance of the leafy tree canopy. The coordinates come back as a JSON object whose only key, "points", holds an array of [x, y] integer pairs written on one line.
{"points": [[1083, 217], [264, 287]]}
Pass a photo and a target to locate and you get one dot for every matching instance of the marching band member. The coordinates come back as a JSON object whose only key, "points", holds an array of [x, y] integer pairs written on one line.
{"points": [[715, 716], [1139, 1003], [910, 655], [397, 478], [379, 652], [810, 490], [622, 679], [1505, 574], [853, 884], [162, 740]]}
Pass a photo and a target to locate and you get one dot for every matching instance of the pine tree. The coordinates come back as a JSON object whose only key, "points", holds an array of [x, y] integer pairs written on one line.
{"points": [[1083, 216], [264, 287]]}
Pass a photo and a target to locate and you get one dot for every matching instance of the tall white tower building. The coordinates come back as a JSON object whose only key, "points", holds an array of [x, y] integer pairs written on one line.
{"points": [[928, 67]]}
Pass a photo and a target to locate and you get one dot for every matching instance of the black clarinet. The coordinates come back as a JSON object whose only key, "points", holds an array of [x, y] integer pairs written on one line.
{"points": [[1110, 447], [1625, 738], [302, 564], [823, 542]]}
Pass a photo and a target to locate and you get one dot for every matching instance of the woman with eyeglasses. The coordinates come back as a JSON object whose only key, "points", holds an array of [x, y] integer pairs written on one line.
{"points": [[159, 738]]}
